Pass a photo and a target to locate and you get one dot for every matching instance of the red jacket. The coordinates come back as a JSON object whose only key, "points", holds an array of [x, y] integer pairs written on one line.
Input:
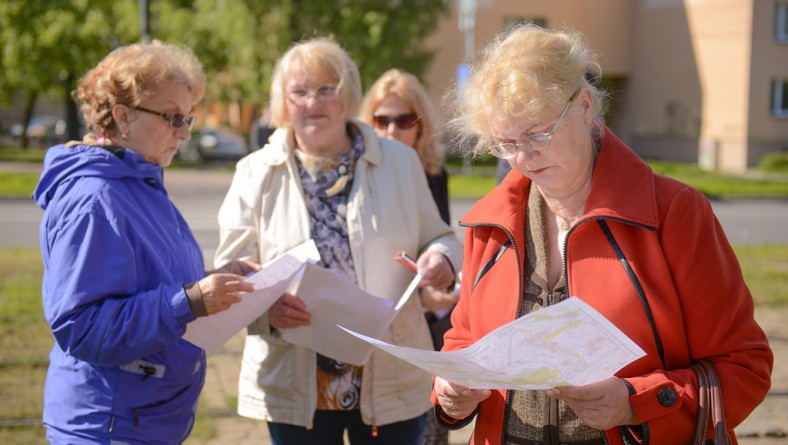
{"points": [[701, 306]]}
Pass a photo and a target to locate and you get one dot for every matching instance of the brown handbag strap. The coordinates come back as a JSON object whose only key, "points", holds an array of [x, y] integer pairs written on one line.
{"points": [[709, 404], [703, 405]]}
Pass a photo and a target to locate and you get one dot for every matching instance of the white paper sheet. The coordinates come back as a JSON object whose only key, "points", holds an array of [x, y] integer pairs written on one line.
{"points": [[331, 298], [278, 275], [569, 343], [334, 300]]}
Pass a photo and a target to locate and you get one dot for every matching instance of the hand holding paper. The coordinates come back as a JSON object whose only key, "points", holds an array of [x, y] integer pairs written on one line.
{"points": [[277, 276]]}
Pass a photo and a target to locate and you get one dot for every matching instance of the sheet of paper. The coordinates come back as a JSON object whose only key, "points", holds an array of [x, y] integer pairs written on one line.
{"points": [[569, 343], [334, 300], [305, 252], [277, 276]]}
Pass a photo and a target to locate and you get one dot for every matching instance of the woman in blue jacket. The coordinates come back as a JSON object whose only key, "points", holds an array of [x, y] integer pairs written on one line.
{"points": [[123, 274]]}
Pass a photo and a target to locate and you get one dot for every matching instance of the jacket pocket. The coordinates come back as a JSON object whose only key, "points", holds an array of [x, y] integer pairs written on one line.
{"points": [[491, 262]]}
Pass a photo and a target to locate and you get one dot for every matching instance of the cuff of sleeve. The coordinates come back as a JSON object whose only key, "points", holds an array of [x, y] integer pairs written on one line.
{"points": [[195, 298], [453, 284], [451, 423]]}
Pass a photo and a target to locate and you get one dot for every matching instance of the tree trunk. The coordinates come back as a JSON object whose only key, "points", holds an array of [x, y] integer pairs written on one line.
{"points": [[29, 107], [72, 117]]}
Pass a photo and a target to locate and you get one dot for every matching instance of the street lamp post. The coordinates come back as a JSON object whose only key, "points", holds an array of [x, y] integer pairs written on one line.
{"points": [[145, 21], [466, 23]]}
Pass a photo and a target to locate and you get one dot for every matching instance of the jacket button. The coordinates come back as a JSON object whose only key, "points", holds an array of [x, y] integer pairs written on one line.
{"points": [[667, 397]]}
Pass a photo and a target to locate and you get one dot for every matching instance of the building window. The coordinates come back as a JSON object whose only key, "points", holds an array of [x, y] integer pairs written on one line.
{"points": [[780, 98], [512, 22], [781, 25]]}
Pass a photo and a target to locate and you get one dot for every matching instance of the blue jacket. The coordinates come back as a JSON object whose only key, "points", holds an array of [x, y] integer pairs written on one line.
{"points": [[117, 254]]}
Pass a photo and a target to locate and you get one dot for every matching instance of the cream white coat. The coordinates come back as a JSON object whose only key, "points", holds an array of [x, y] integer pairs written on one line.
{"points": [[390, 209]]}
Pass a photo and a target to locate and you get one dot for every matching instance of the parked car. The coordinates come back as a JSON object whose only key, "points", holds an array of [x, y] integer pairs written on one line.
{"points": [[42, 130], [214, 144]]}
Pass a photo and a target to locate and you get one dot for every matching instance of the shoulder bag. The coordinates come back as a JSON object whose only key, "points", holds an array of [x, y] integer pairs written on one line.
{"points": [[709, 405]]}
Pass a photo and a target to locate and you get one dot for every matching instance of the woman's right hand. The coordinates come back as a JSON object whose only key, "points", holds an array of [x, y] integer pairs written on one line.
{"points": [[289, 311], [458, 401], [221, 290]]}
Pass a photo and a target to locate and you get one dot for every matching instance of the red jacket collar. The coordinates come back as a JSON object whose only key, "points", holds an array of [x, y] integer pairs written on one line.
{"points": [[622, 187]]}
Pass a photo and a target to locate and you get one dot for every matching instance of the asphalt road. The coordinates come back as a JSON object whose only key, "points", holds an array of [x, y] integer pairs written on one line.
{"points": [[199, 193]]}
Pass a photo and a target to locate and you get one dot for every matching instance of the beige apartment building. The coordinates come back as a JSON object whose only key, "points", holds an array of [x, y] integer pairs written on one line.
{"points": [[692, 80]]}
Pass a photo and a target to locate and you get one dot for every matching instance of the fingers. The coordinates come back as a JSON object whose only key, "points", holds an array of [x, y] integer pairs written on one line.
{"points": [[458, 401], [435, 269], [243, 267], [289, 312], [602, 405], [222, 290]]}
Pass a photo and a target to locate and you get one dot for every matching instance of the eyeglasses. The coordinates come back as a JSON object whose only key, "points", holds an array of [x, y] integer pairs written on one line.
{"points": [[324, 93], [531, 142], [402, 121], [175, 120]]}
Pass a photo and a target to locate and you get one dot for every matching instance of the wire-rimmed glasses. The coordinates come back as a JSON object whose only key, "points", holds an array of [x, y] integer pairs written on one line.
{"points": [[323, 93], [531, 142]]}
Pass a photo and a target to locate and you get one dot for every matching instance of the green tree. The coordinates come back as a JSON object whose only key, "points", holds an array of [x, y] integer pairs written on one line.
{"points": [[240, 41], [377, 34], [48, 44]]}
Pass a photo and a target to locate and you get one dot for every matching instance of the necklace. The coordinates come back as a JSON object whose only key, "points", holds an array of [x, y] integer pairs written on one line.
{"points": [[566, 221]]}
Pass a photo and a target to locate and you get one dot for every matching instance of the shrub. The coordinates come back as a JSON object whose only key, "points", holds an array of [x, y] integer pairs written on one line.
{"points": [[774, 162]]}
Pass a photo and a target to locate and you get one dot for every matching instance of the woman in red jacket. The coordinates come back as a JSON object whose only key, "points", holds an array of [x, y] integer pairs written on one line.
{"points": [[582, 215]]}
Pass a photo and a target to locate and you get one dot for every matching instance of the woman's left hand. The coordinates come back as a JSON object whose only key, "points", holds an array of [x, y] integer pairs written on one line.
{"points": [[601, 405], [435, 269]]}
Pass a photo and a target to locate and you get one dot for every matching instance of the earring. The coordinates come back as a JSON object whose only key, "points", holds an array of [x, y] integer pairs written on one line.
{"points": [[124, 135]]}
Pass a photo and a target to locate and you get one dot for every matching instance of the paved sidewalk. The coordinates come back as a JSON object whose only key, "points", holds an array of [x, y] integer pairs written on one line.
{"points": [[220, 392], [767, 425]]}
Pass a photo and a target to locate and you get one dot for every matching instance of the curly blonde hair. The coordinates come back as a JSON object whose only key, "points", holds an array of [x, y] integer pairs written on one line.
{"points": [[525, 72], [129, 75], [407, 87], [316, 56]]}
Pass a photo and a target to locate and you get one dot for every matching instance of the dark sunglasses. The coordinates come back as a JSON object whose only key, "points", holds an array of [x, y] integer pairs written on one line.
{"points": [[403, 121], [175, 120]]}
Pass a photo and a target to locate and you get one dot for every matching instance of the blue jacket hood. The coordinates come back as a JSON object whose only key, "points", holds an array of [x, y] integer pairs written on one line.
{"points": [[66, 162]]}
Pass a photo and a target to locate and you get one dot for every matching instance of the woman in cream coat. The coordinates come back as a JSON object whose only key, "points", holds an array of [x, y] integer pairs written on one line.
{"points": [[362, 199]]}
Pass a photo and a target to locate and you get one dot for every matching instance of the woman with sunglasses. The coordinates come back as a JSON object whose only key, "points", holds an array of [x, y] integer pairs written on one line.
{"points": [[397, 107], [326, 176], [582, 216], [123, 274]]}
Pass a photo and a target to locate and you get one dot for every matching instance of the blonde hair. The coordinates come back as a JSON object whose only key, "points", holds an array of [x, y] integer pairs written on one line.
{"points": [[315, 56], [526, 72], [408, 88], [129, 75]]}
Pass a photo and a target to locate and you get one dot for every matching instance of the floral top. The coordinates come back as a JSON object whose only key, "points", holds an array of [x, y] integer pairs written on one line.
{"points": [[326, 183]]}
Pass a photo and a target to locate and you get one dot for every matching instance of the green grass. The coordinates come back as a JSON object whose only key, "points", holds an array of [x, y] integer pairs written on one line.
{"points": [[467, 181], [25, 342], [722, 185], [17, 184], [30, 155], [25, 339], [470, 186], [765, 270]]}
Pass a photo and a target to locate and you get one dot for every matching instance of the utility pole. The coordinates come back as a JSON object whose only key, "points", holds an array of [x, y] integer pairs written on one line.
{"points": [[145, 21], [466, 23]]}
